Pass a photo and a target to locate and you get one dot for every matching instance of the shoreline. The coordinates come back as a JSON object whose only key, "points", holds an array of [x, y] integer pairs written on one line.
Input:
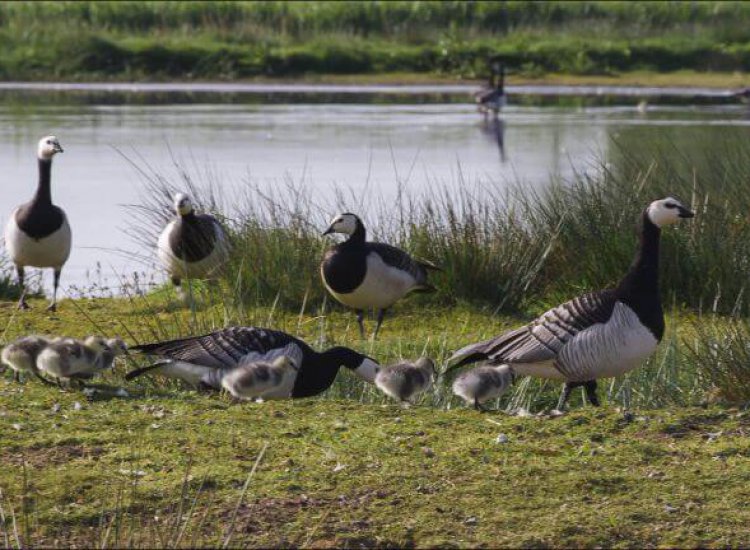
{"points": [[635, 83]]}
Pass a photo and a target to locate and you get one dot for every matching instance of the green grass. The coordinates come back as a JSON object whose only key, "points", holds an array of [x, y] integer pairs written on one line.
{"points": [[230, 40]]}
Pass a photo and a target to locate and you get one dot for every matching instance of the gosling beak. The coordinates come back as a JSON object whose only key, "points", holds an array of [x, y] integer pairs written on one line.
{"points": [[684, 212]]}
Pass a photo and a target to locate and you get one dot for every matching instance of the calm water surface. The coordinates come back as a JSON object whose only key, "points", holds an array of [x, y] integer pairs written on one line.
{"points": [[325, 145]]}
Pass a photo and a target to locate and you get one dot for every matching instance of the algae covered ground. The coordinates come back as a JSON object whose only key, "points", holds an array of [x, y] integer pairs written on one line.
{"points": [[171, 467]]}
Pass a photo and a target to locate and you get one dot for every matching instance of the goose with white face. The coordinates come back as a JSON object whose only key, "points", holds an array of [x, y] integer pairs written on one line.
{"points": [[182, 204], [48, 147], [667, 211], [346, 224]]}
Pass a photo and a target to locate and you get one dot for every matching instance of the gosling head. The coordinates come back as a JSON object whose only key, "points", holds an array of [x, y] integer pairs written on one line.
{"points": [[96, 343], [182, 204], [48, 147], [426, 364], [346, 223], [667, 212], [117, 345], [283, 362]]}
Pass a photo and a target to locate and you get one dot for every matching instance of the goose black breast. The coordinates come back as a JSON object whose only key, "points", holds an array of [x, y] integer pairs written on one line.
{"points": [[193, 238], [39, 220], [344, 268]]}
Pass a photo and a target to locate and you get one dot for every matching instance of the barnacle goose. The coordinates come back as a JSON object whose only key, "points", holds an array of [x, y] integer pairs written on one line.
{"points": [[482, 384], [405, 381], [596, 335], [21, 354], [37, 233], [192, 246], [66, 358], [255, 379], [203, 361], [364, 275], [492, 98]]}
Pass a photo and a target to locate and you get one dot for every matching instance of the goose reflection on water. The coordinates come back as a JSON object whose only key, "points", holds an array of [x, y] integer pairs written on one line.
{"points": [[493, 128]]}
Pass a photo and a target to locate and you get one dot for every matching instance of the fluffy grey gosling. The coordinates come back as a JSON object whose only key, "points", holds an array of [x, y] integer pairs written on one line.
{"points": [[257, 378], [68, 358], [482, 384], [21, 355], [405, 381]]}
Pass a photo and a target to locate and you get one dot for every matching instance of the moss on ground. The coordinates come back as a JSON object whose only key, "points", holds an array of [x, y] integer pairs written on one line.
{"points": [[168, 465]]}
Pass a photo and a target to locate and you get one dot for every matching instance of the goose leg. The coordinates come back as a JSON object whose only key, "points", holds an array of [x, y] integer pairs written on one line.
{"points": [[478, 406], [53, 305], [22, 301], [567, 388], [16, 376], [591, 393], [381, 315], [43, 379], [361, 322]]}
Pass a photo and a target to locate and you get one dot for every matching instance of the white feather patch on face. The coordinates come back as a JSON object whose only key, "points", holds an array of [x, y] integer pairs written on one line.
{"points": [[344, 223], [48, 147], [664, 211], [367, 370], [182, 204]]}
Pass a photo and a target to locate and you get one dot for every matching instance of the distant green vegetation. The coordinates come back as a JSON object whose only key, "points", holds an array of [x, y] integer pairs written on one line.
{"points": [[77, 40]]}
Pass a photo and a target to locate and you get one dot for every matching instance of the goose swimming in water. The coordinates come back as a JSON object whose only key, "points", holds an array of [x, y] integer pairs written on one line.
{"points": [[204, 361], [38, 233], [482, 384], [597, 335], [192, 246], [364, 275], [260, 377], [405, 381]]}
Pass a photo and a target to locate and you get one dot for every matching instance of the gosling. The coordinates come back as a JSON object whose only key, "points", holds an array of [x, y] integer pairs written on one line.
{"points": [[406, 381], [67, 359], [482, 384], [21, 355], [258, 378], [115, 347]]}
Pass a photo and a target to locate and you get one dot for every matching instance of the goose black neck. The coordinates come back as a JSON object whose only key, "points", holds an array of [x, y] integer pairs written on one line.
{"points": [[357, 238], [319, 370], [639, 289], [43, 192], [501, 82]]}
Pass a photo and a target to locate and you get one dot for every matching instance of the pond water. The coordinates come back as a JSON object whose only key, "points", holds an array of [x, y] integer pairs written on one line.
{"points": [[364, 140]]}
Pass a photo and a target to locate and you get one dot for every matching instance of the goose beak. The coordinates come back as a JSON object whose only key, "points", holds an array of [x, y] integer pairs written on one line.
{"points": [[328, 231], [58, 148], [684, 212]]}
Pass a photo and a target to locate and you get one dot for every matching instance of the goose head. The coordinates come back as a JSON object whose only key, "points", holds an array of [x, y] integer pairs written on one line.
{"points": [[667, 212], [96, 343], [428, 365], [182, 204], [48, 147], [363, 366], [284, 362], [346, 223]]}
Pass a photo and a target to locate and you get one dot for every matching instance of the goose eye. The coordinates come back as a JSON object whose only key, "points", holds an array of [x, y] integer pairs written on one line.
{"points": [[671, 205], [49, 142]]}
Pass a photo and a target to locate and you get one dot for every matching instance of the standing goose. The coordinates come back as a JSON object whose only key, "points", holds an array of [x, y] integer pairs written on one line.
{"points": [[37, 233], [203, 361], [405, 381], [192, 246], [597, 335], [364, 275], [493, 98]]}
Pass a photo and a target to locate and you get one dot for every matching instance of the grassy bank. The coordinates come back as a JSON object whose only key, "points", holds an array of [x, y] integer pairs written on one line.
{"points": [[229, 40], [171, 467]]}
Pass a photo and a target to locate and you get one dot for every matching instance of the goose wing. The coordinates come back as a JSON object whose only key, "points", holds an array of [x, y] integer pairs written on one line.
{"points": [[397, 258], [229, 347], [542, 339]]}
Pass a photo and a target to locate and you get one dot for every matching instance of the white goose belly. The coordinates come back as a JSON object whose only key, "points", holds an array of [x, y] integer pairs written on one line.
{"points": [[206, 267], [50, 251], [609, 349], [382, 286]]}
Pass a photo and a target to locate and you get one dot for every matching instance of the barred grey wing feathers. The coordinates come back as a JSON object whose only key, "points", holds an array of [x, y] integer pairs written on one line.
{"points": [[399, 259]]}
